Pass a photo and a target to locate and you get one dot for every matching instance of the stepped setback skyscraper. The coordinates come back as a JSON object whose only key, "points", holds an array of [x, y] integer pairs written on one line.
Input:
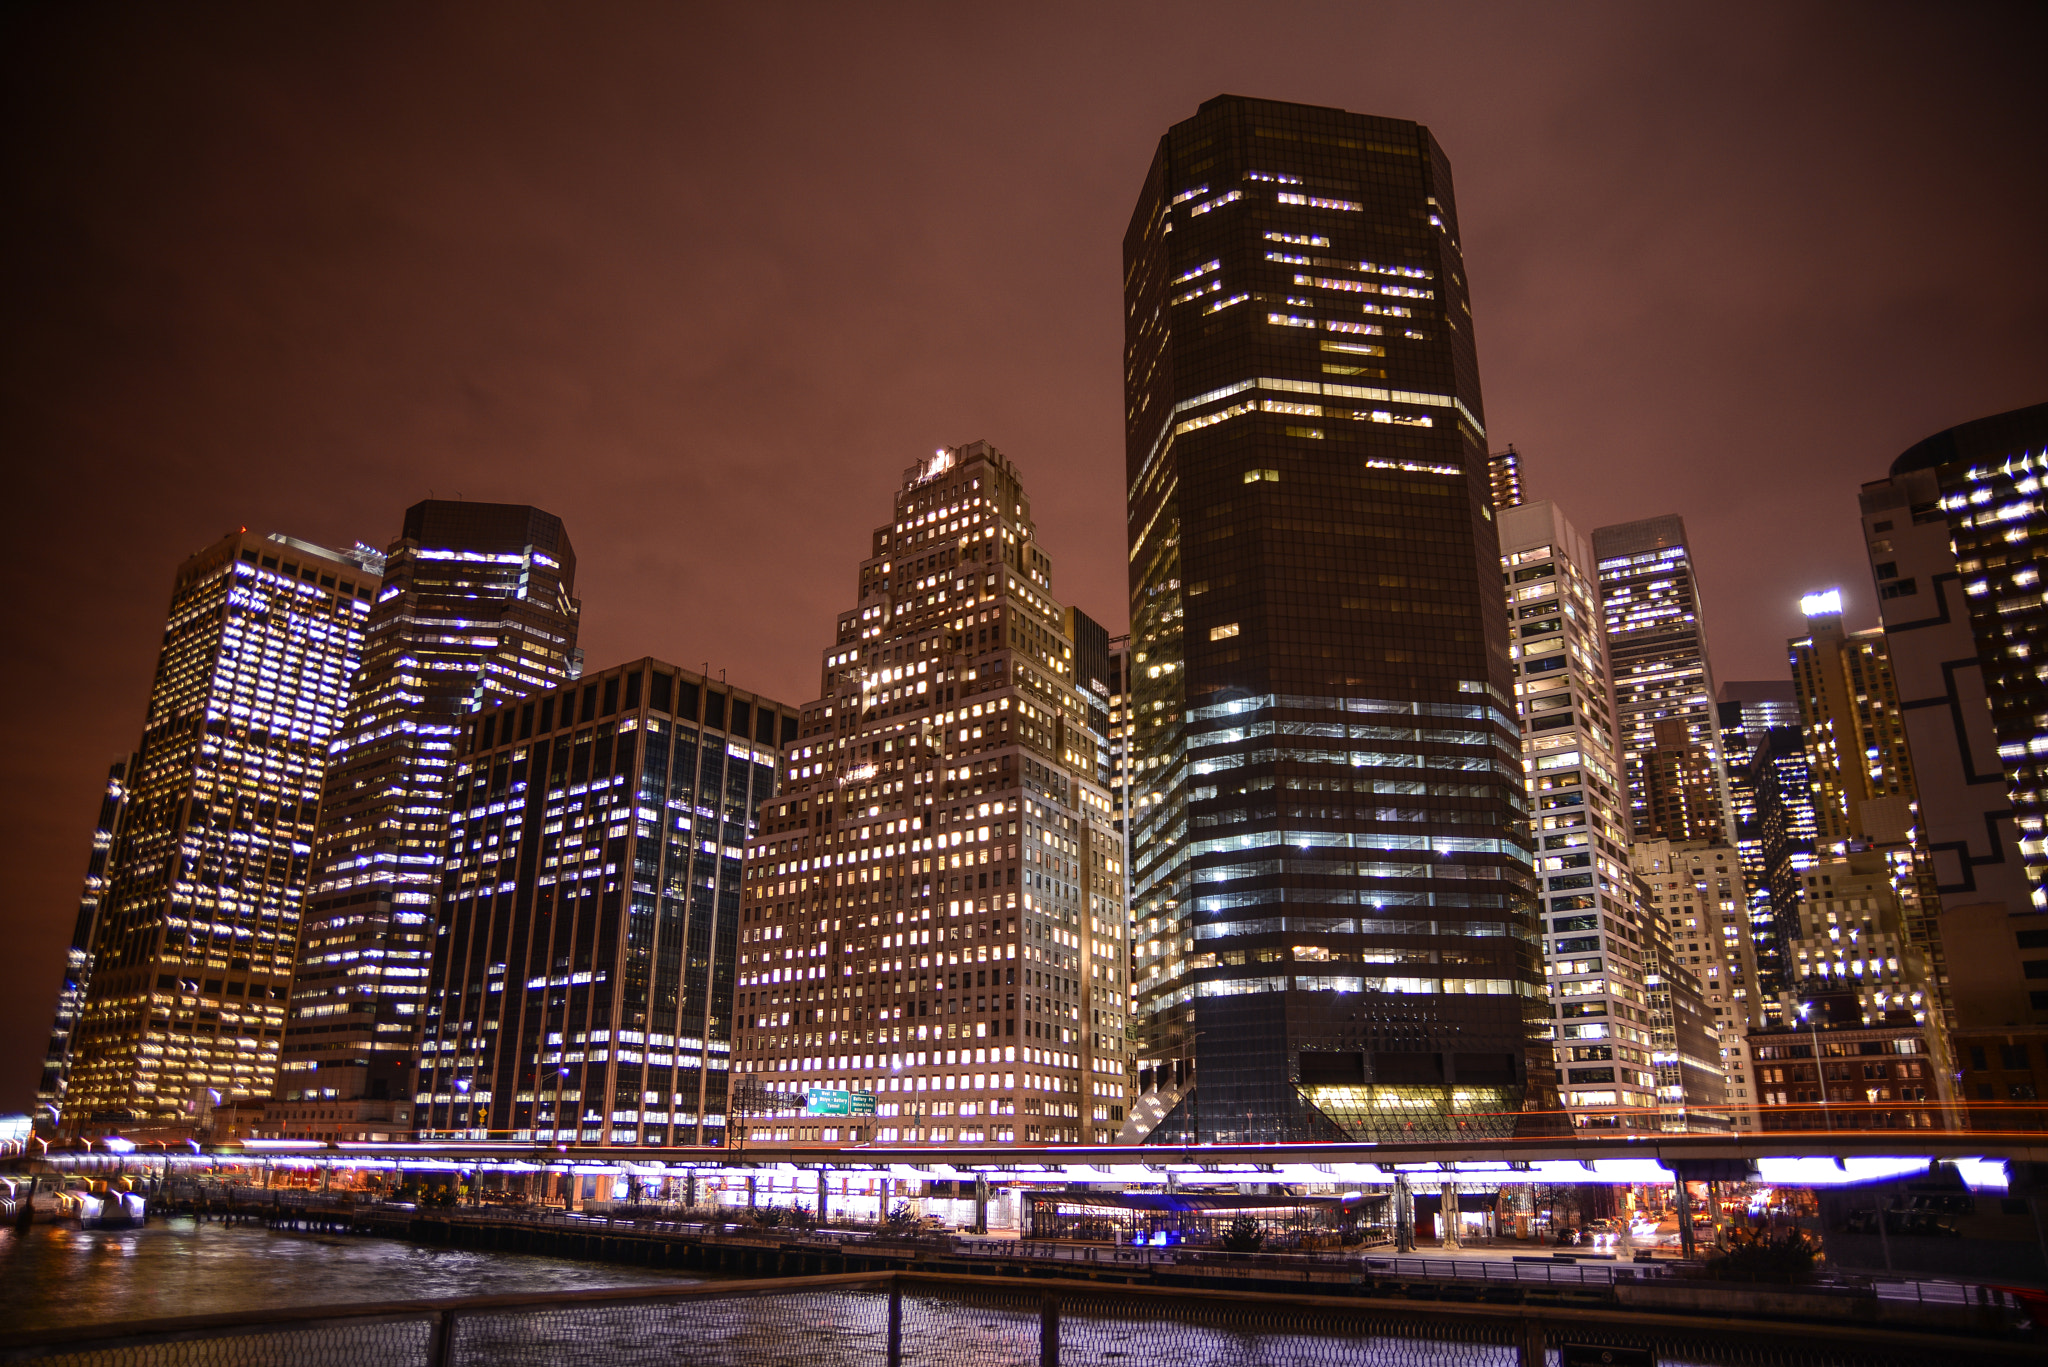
{"points": [[198, 919], [478, 607], [934, 918], [1333, 898]]}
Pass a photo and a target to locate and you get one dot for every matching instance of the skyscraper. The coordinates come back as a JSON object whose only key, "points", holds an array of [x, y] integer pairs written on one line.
{"points": [[478, 607], [71, 993], [193, 948], [1333, 897], [588, 914], [1955, 536], [1658, 642], [1702, 977], [1866, 804], [1771, 806], [1779, 780], [936, 917], [1597, 938], [1504, 475]]}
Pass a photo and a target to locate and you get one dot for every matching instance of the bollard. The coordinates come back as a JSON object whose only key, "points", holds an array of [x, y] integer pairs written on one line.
{"points": [[1049, 1333]]}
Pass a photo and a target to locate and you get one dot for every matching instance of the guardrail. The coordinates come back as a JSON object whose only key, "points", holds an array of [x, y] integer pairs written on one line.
{"points": [[919, 1320]]}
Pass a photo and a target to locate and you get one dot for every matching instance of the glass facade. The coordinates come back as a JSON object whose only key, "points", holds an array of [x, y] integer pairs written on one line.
{"points": [[1771, 802], [193, 947], [477, 608], [934, 919], [588, 919], [1333, 900]]}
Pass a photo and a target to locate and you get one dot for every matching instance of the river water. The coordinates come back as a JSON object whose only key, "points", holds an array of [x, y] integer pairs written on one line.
{"points": [[51, 1276]]}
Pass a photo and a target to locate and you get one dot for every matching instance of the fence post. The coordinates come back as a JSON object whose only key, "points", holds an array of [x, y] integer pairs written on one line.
{"points": [[1534, 1351], [1049, 1333], [895, 1322], [441, 1340]]}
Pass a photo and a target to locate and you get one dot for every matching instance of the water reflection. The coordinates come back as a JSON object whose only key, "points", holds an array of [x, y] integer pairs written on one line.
{"points": [[51, 1276]]}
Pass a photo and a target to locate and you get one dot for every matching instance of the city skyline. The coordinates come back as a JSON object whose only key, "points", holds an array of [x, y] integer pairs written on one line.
{"points": [[336, 440]]}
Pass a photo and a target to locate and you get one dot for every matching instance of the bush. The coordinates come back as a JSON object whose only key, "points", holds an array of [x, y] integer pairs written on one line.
{"points": [[1243, 1236], [1787, 1260]]}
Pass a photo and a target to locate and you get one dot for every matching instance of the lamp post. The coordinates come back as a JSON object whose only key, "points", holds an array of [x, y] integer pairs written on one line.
{"points": [[1819, 1069]]}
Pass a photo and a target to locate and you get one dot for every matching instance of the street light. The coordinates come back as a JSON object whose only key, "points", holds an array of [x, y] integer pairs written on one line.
{"points": [[1819, 1069]]}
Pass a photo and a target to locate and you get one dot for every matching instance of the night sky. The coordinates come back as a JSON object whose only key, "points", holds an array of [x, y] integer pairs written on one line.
{"points": [[703, 282]]}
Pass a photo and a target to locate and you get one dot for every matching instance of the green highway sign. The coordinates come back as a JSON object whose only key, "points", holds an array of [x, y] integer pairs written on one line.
{"points": [[837, 1101]]}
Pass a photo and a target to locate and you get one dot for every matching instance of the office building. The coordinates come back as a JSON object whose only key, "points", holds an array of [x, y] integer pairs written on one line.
{"points": [[1955, 537], [1333, 896], [1866, 804], [1120, 735], [198, 919], [1094, 669], [71, 992], [1750, 707], [477, 608], [1595, 946], [935, 919], [1504, 478], [1657, 640], [588, 915], [1831, 1067], [1855, 940], [1703, 964], [1771, 799]]}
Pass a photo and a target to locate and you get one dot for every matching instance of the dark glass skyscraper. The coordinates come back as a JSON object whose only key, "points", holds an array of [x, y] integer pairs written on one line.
{"points": [[477, 607], [588, 921], [1333, 909], [1770, 784]]}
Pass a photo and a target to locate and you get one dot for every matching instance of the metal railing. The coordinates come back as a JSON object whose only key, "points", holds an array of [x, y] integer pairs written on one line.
{"points": [[919, 1320]]}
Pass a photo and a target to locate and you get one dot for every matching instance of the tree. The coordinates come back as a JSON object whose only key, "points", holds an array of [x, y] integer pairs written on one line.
{"points": [[1243, 1236], [1786, 1259]]}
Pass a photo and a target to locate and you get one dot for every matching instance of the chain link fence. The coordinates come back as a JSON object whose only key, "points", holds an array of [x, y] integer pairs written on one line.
{"points": [[909, 1320]]}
